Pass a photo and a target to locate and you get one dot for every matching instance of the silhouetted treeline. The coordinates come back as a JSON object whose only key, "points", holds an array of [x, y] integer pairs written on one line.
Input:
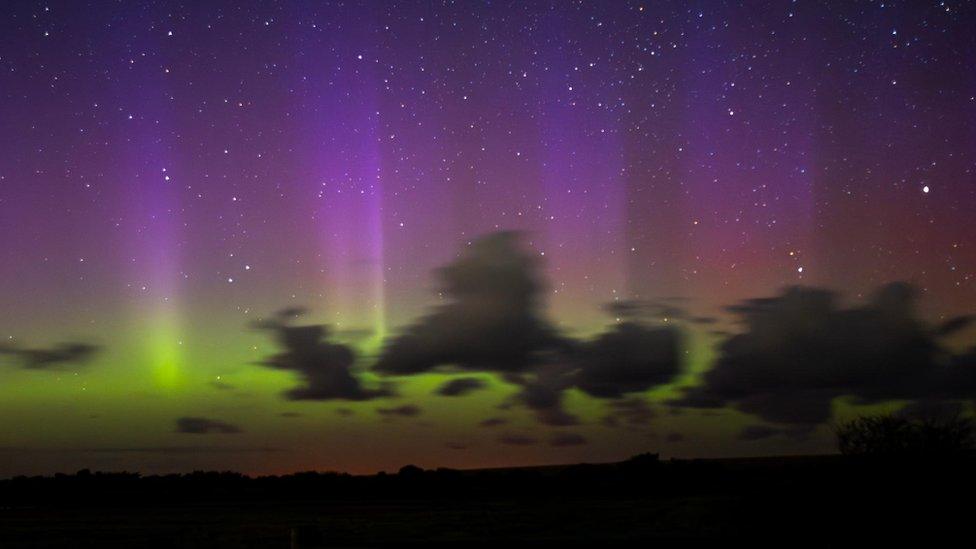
{"points": [[641, 476], [822, 501], [898, 437]]}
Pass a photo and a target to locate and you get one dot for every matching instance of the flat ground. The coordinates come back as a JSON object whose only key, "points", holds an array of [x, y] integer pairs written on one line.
{"points": [[810, 502]]}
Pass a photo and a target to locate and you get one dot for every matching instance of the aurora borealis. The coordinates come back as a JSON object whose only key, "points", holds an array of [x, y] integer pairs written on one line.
{"points": [[174, 175]]}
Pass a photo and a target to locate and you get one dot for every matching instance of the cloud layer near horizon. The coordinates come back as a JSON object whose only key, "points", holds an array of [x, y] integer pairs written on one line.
{"points": [[800, 350], [794, 354], [492, 322]]}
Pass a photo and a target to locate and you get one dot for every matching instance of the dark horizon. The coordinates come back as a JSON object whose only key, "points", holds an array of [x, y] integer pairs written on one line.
{"points": [[853, 500]]}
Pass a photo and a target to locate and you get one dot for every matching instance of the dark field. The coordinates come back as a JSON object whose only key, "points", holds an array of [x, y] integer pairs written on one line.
{"points": [[822, 502], [365, 524]]}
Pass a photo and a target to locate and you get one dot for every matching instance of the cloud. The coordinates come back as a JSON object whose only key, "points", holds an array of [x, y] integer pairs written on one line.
{"points": [[958, 381], [542, 392], [956, 324], [758, 432], [800, 350], [932, 409], [325, 368], [517, 440], [674, 437], [632, 411], [560, 440], [407, 410], [354, 334], [461, 386], [492, 320], [493, 422], [149, 450], [635, 355], [704, 320], [492, 323], [644, 310], [52, 358], [762, 432], [630, 358], [203, 426]]}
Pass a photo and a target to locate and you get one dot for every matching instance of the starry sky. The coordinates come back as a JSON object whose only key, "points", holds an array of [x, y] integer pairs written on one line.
{"points": [[183, 185]]}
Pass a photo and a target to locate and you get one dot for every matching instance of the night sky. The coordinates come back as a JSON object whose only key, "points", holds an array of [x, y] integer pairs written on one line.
{"points": [[515, 232]]}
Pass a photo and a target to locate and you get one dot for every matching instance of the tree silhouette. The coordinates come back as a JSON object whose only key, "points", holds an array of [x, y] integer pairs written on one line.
{"points": [[890, 436]]}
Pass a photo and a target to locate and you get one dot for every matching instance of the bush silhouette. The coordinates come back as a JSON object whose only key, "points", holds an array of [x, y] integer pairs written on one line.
{"points": [[892, 436]]}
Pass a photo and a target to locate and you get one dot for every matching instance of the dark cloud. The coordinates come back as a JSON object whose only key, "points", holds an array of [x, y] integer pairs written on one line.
{"points": [[203, 426], [674, 437], [800, 350], [566, 439], [958, 381], [492, 323], [631, 358], [556, 417], [762, 432], [407, 410], [932, 410], [290, 414], [643, 310], [461, 386], [54, 357], [185, 449], [517, 440], [758, 432], [493, 422], [704, 320], [354, 334], [326, 368], [149, 450], [956, 324], [542, 392], [633, 411]]}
